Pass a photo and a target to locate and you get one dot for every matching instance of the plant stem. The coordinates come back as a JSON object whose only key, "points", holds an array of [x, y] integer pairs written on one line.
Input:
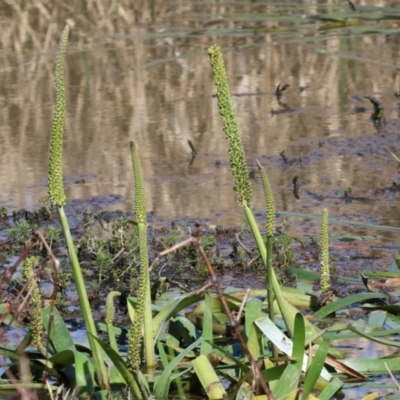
{"points": [[84, 302]]}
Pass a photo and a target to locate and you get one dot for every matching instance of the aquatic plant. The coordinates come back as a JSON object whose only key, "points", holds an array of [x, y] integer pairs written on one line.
{"points": [[325, 269], [241, 176], [109, 319], [58, 199], [237, 159], [270, 232], [143, 313], [35, 301]]}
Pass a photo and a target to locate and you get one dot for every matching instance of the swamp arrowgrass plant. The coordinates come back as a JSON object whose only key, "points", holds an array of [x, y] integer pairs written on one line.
{"points": [[241, 176], [143, 313], [35, 301], [58, 199], [325, 268], [270, 231], [109, 319]]}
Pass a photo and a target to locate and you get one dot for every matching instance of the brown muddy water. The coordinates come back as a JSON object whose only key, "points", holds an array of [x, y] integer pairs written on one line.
{"points": [[141, 72]]}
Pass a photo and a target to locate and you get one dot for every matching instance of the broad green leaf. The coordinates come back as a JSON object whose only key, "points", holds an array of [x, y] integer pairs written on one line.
{"points": [[342, 303], [376, 319], [130, 379], [172, 309], [83, 368], [163, 382], [207, 331], [162, 354], [252, 312], [373, 365], [56, 329], [334, 385], [254, 342], [288, 382], [315, 369], [283, 343], [299, 341]]}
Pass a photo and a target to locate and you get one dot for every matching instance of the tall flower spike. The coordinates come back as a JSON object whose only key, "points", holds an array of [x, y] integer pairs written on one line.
{"points": [[143, 316], [236, 152], [269, 201], [140, 200], [35, 301], [325, 264], [56, 187]]}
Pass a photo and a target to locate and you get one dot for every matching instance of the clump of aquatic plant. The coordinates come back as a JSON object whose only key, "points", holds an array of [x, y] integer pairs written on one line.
{"points": [[241, 175], [325, 280], [270, 231], [143, 315], [58, 199], [35, 300]]}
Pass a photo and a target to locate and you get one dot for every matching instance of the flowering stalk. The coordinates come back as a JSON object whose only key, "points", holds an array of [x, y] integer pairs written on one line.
{"points": [[35, 301], [143, 315], [58, 198], [325, 263]]}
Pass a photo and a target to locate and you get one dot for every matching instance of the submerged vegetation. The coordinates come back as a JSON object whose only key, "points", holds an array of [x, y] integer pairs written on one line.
{"points": [[272, 343]]}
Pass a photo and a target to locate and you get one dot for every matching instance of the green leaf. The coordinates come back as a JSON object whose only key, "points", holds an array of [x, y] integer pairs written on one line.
{"points": [[315, 369], [329, 391], [288, 382], [207, 333], [174, 307], [299, 341], [252, 312], [254, 342], [162, 354], [373, 338], [342, 303], [376, 319], [130, 379], [373, 365], [83, 368], [57, 330], [282, 342], [162, 384]]}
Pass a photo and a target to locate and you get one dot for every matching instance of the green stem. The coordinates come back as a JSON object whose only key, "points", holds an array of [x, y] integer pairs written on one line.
{"points": [[84, 302], [148, 314], [287, 313], [111, 337], [269, 279]]}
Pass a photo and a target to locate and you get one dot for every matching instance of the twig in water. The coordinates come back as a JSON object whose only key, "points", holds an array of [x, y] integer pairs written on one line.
{"points": [[393, 155], [194, 152], [352, 6], [393, 378], [242, 245], [284, 158]]}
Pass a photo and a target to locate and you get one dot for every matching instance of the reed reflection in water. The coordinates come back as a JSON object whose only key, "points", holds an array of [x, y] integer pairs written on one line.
{"points": [[140, 71]]}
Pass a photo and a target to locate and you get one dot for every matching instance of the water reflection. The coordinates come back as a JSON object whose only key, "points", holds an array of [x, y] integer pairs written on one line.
{"points": [[141, 72]]}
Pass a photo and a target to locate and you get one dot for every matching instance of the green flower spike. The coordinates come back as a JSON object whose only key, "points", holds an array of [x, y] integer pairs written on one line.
{"points": [[35, 301], [269, 201], [325, 263], [236, 153], [56, 188], [143, 315]]}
